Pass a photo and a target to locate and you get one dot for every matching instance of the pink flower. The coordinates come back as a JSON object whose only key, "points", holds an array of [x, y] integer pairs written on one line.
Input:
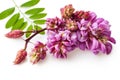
{"points": [[15, 34], [38, 53], [21, 55], [102, 40], [86, 32], [59, 44], [54, 23], [78, 15], [67, 11], [71, 25]]}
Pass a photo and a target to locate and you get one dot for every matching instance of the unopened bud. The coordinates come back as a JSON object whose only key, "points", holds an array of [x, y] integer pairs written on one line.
{"points": [[21, 55], [14, 34]]}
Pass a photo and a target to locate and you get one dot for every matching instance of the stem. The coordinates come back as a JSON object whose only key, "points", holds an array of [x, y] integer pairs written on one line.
{"points": [[28, 39], [22, 13], [32, 31]]}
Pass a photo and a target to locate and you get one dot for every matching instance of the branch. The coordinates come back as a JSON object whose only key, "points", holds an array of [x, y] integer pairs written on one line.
{"points": [[36, 32]]}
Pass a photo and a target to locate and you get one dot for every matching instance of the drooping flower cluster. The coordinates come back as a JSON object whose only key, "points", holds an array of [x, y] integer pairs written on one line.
{"points": [[75, 29], [59, 43], [78, 29]]}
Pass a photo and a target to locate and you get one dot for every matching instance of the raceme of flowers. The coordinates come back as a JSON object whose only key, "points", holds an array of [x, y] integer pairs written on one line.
{"points": [[75, 29]]}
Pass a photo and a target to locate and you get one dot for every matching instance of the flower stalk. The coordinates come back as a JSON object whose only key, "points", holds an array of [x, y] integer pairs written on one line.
{"points": [[35, 33]]}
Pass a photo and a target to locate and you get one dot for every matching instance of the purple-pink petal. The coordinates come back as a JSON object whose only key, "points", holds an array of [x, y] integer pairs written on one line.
{"points": [[108, 48]]}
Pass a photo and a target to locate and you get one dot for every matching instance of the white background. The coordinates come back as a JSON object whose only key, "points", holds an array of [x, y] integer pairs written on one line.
{"points": [[79, 65]]}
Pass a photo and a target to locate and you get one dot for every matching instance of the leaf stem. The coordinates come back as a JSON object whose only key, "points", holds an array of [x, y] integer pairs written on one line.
{"points": [[22, 13], [35, 33], [32, 31]]}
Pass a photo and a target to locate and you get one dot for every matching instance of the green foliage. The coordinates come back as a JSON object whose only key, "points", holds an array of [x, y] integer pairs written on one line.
{"points": [[30, 3], [24, 20], [18, 24], [43, 32], [39, 28], [24, 25], [34, 11], [29, 29], [11, 22], [6, 13], [40, 21], [38, 16]]}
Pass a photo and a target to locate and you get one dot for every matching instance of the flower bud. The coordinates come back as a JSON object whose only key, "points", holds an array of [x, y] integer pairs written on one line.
{"points": [[21, 55], [14, 34]]}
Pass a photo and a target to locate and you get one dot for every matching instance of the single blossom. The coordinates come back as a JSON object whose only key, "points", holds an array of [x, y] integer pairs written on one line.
{"points": [[78, 15], [67, 11], [21, 55], [55, 23], [71, 25], [38, 53], [15, 34], [92, 16]]}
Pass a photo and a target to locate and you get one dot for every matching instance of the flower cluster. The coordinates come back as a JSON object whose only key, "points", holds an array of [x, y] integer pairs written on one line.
{"points": [[75, 29], [78, 29]]}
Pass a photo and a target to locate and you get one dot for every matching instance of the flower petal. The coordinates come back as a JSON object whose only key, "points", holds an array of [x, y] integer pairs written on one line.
{"points": [[108, 48], [111, 39], [95, 44], [82, 46]]}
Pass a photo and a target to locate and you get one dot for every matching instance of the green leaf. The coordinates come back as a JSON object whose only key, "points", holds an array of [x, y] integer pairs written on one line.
{"points": [[11, 22], [23, 26], [39, 28], [30, 3], [34, 11], [29, 29], [39, 21], [18, 24], [38, 16], [6, 13]]}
